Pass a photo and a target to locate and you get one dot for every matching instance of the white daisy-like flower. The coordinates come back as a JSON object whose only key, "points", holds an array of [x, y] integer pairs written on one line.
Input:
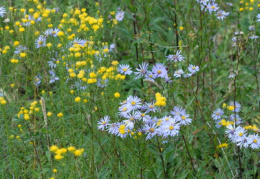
{"points": [[236, 105], [113, 128], [150, 107], [217, 114], [193, 69], [177, 57], [213, 7], [230, 132], [178, 73], [150, 130], [103, 123], [120, 15], [254, 141], [134, 102], [2, 11], [40, 42], [222, 14], [125, 69], [20, 49], [141, 70], [185, 120], [159, 70], [240, 134], [169, 129], [258, 18]]}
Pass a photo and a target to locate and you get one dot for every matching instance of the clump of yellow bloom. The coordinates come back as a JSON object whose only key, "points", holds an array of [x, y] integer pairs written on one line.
{"points": [[60, 152], [160, 100], [77, 99], [78, 152], [2, 101], [222, 145], [60, 115], [117, 95]]}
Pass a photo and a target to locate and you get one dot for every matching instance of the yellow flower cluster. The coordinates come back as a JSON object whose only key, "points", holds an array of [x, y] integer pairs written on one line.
{"points": [[160, 100], [2, 101], [222, 145], [60, 152], [223, 122], [249, 5], [26, 113], [252, 127]]}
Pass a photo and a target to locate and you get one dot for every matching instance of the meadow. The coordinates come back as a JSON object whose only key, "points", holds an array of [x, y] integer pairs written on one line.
{"points": [[129, 89]]}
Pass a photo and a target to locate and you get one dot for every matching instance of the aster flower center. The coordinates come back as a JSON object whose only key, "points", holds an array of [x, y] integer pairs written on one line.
{"points": [[40, 42], [124, 109], [133, 102], [213, 7], [255, 141], [240, 134], [217, 114], [167, 119], [142, 115], [159, 71], [171, 127], [193, 68], [124, 69], [104, 122], [151, 130], [183, 117], [151, 106], [131, 119]]}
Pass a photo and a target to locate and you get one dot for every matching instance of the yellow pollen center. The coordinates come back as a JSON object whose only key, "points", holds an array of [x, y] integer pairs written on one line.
{"points": [[217, 114], [142, 115], [255, 141], [151, 130], [124, 69], [213, 7], [133, 102], [167, 119], [104, 122], [40, 42], [131, 119], [124, 109], [240, 134], [193, 68], [159, 71], [183, 117], [151, 106], [171, 127]]}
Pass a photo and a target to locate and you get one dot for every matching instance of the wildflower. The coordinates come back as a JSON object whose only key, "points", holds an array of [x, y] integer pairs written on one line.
{"points": [[150, 107], [222, 145], [71, 149], [169, 129], [103, 123], [258, 18], [159, 70], [125, 69], [77, 99], [177, 57], [58, 157], [217, 114], [2, 11], [40, 42], [78, 152], [113, 128], [185, 120], [60, 115], [193, 69], [55, 170], [117, 95], [178, 73], [240, 134], [142, 69], [213, 7], [222, 14], [254, 141], [120, 15], [234, 106], [53, 148], [133, 102], [150, 130]]}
